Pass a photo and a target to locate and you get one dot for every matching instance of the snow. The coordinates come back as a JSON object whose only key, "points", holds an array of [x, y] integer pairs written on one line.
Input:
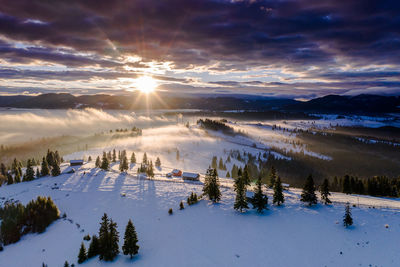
{"points": [[203, 234]]}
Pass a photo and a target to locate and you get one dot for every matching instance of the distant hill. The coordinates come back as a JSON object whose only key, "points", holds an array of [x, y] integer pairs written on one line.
{"points": [[361, 104]]}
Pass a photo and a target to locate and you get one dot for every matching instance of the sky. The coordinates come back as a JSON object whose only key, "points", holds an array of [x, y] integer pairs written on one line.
{"points": [[298, 49]]}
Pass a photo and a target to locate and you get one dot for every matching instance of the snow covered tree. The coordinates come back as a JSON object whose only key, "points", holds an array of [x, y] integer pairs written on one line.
{"points": [[82, 254], [278, 194], [325, 192], [158, 162], [29, 172], [272, 177], [133, 158], [94, 247], [308, 194], [130, 246], [98, 162], [45, 168], [240, 189], [347, 219], [259, 200], [105, 164], [211, 185]]}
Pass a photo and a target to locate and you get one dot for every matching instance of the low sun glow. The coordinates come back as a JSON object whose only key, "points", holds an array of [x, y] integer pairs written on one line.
{"points": [[145, 84]]}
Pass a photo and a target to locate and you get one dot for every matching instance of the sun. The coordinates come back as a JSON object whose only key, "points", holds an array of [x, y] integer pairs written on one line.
{"points": [[145, 84]]}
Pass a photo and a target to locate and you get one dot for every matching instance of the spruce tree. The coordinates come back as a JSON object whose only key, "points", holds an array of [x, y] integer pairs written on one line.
{"points": [[105, 163], [133, 158], [29, 172], [123, 166], [308, 194], [17, 177], [94, 247], [104, 237], [246, 175], [220, 164], [158, 162], [144, 161], [10, 179], [346, 185], [181, 206], [130, 246], [227, 175], [347, 219], [272, 177], [3, 169], [114, 156], [114, 239], [98, 162], [325, 192], [278, 194], [211, 185], [240, 189], [45, 168], [55, 170], [259, 200], [82, 254], [37, 173], [66, 264], [150, 170], [214, 162]]}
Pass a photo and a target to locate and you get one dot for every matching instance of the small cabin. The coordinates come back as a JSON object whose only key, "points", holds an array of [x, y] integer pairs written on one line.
{"points": [[176, 173], [76, 162], [190, 176]]}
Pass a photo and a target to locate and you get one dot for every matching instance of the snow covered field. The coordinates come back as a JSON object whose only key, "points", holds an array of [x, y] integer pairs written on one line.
{"points": [[203, 234]]}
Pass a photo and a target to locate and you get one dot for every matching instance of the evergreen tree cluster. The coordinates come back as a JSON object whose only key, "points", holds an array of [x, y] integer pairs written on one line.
{"points": [[211, 185], [192, 199], [106, 244], [18, 220]]}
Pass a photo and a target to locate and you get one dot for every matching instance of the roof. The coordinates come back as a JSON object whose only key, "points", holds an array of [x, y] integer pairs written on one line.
{"points": [[76, 161], [176, 171], [190, 174]]}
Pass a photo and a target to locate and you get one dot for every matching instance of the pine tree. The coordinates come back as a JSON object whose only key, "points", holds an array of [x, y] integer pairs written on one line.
{"points": [[50, 157], [17, 177], [150, 170], [123, 164], [211, 185], [82, 254], [346, 185], [55, 171], [214, 162], [3, 169], [227, 175], [259, 200], [158, 162], [29, 173], [104, 237], [66, 264], [10, 179], [144, 161], [181, 206], [272, 177], [246, 175], [325, 192], [278, 194], [130, 246], [308, 194], [347, 219], [98, 162], [105, 163], [114, 239], [240, 189], [94, 248], [45, 168], [37, 173], [114, 156], [133, 158], [220, 164]]}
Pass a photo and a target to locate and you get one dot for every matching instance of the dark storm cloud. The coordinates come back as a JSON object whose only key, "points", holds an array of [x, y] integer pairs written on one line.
{"points": [[239, 35]]}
